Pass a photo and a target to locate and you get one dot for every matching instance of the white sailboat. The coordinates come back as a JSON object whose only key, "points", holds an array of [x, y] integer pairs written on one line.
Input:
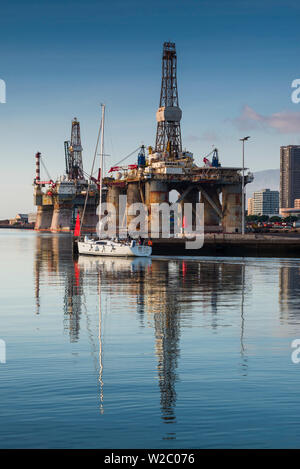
{"points": [[106, 247]]}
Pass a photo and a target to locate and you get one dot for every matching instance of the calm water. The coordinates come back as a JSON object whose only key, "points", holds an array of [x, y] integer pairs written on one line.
{"points": [[160, 353]]}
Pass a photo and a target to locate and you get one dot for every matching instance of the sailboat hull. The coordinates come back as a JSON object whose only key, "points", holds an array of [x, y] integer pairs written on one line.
{"points": [[113, 249]]}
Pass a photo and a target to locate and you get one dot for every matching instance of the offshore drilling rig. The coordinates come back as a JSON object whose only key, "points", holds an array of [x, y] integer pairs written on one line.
{"points": [[59, 202], [167, 167]]}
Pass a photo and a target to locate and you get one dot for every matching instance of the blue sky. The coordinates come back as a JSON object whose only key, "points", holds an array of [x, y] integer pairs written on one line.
{"points": [[60, 59]]}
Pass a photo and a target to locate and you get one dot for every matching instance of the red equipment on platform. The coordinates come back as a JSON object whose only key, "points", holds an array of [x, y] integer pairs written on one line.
{"points": [[122, 168], [77, 226]]}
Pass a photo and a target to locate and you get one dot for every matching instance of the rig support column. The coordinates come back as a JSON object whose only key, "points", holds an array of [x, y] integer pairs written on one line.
{"points": [[212, 206], [90, 219], [62, 217], [43, 217], [133, 196], [156, 192], [191, 197], [232, 208], [113, 197]]}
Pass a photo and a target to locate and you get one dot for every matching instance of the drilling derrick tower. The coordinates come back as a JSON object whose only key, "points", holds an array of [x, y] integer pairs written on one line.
{"points": [[73, 153], [168, 116]]}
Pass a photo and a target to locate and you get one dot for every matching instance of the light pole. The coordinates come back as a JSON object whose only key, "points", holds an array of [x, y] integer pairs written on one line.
{"points": [[243, 184]]}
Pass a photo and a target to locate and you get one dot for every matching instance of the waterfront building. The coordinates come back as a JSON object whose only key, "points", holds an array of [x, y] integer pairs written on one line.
{"points": [[250, 206], [297, 203], [20, 218], [265, 202], [289, 175]]}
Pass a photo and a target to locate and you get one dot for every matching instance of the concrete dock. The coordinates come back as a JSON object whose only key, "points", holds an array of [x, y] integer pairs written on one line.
{"points": [[219, 244]]}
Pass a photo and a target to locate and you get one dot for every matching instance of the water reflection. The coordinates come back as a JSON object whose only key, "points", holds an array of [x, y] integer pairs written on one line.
{"points": [[289, 292], [193, 351], [164, 293], [163, 306], [242, 338], [53, 255], [73, 302]]}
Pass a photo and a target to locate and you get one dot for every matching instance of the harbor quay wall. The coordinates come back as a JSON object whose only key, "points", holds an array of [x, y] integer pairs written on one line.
{"points": [[233, 245]]}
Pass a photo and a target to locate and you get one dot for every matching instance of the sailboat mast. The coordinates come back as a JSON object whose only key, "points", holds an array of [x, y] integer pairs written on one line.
{"points": [[101, 162]]}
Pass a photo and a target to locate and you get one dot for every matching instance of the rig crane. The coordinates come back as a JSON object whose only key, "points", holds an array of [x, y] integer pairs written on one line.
{"points": [[215, 159]]}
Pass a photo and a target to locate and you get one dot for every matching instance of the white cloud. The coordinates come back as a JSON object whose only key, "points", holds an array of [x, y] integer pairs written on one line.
{"points": [[284, 122]]}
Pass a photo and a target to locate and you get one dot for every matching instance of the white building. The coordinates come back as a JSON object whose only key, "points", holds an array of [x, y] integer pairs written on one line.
{"points": [[265, 202], [250, 206]]}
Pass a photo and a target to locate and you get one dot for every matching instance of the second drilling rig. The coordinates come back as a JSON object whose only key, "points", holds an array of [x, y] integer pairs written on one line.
{"points": [[59, 202]]}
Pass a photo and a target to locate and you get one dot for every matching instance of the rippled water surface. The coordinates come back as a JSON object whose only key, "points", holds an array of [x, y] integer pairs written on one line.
{"points": [[146, 353]]}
